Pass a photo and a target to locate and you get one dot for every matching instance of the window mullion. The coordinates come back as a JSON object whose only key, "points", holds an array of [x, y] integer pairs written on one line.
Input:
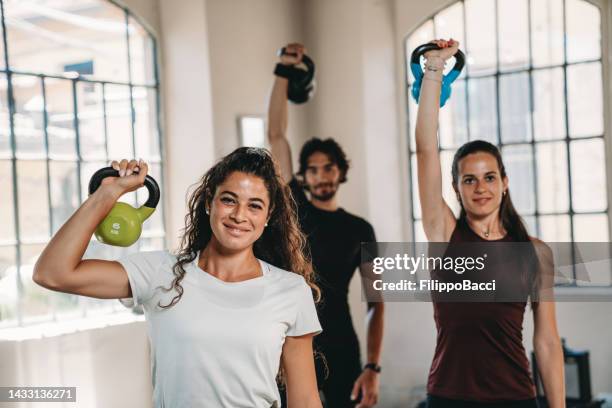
{"points": [[13, 142], [105, 124], [534, 167], [160, 136], [47, 158], [567, 141], [132, 110], [129, 60], [48, 168], [77, 138], [497, 104], [467, 75], [81, 300]]}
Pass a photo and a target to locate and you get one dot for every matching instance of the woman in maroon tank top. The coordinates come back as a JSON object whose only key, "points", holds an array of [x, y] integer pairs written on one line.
{"points": [[479, 359]]}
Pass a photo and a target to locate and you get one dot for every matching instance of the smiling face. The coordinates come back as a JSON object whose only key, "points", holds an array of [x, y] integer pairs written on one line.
{"points": [[480, 185], [322, 176], [239, 211]]}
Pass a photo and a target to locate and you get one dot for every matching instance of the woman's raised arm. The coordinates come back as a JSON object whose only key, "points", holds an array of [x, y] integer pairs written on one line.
{"points": [[61, 267], [438, 219]]}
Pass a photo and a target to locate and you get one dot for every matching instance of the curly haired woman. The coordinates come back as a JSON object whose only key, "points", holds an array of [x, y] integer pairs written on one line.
{"points": [[225, 312]]}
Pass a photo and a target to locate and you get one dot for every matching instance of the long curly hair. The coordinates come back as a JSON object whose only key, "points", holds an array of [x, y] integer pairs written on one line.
{"points": [[282, 243]]}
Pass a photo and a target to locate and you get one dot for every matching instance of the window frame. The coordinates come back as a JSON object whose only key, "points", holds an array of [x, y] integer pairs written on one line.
{"points": [[605, 10], [17, 243]]}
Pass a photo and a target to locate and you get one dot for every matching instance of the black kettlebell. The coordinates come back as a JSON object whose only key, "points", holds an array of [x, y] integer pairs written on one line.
{"points": [[301, 81]]}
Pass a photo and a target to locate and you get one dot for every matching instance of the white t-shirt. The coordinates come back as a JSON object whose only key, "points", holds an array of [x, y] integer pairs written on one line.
{"points": [[220, 345]]}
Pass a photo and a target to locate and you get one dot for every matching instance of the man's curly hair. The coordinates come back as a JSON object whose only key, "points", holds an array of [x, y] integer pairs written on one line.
{"points": [[329, 147]]}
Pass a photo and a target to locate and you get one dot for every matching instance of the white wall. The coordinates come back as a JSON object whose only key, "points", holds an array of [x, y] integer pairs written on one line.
{"points": [[187, 104], [334, 34], [244, 37], [109, 367]]}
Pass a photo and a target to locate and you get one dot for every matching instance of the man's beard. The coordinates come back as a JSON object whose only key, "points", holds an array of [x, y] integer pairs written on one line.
{"points": [[326, 196]]}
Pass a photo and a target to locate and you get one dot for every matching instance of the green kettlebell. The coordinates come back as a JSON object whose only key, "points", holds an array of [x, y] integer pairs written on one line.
{"points": [[123, 224]]}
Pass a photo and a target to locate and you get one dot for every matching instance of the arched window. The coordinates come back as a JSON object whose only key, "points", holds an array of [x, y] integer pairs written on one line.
{"points": [[533, 86], [78, 88]]}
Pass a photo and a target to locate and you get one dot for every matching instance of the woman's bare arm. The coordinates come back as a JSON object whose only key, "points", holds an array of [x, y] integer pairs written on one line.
{"points": [[546, 342], [61, 267], [438, 219], [277, 127], [298, 361], [278, 115]]}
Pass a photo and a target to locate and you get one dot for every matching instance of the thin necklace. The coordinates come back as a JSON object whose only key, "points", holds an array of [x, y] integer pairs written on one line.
{"points": [[486, 233]]}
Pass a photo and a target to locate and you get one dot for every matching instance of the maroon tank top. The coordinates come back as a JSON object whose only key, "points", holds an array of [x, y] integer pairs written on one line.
{"points": [[479, 352]]}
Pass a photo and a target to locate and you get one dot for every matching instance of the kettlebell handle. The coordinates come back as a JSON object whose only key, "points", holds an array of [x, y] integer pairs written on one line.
{"points": [[422, 49], [306, 60], [150, 184], [447, 79]]}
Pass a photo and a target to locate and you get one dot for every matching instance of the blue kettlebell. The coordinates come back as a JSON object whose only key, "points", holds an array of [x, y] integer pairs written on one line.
{"points": [[447, 80]]}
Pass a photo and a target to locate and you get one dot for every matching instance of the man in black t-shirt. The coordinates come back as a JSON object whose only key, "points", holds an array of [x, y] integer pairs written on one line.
{"points": [[334, 237]]}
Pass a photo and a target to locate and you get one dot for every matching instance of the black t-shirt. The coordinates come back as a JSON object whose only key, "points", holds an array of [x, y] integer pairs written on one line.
{"points": [[334, 238]]}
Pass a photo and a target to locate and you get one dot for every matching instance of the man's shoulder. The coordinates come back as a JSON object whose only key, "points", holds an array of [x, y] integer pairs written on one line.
{"points": [[355, 220]]}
